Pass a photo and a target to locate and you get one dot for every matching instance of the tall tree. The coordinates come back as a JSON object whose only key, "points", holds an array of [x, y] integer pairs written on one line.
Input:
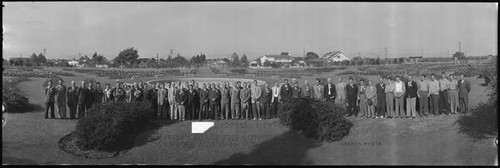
{"points": [[128, 56], [41, 59], [236, 60], [34, 59], [311, 56], [244, 61]]}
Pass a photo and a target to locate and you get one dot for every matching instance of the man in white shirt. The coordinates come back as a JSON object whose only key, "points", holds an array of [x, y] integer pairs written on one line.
{"points": [[329, 91], [399, 91], [274, 99]]}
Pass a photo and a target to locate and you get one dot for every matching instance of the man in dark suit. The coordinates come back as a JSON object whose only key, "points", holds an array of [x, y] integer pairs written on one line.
{"points": [[286, 91], [154, 97], [296, 90], [190, 103], [225, 101], [352, 97], [196, 100], [463, 94], [245, 101], [118, 92], [72, 93], [411, 98], [214, 95], [50, 93], [181, 99], [204, 103], [81, 104], [381, 110], [266, 101], [89, 97], [329, 91], [98, 93]]}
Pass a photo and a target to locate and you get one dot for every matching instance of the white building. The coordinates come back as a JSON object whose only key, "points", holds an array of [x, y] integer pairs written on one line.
{"points": [[73, 63], [336, 56], [282, 58]]}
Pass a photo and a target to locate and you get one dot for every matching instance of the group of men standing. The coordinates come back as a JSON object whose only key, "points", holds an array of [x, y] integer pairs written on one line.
{"points": [[248, 100], [389, 97]]}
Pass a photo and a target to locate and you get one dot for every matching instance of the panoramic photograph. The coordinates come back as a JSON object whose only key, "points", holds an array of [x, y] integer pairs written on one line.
{"points": [[249, 83]]}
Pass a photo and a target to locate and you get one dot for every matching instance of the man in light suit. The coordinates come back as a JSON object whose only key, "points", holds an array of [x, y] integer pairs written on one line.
{"points": [[225, 101], [399, 94], [340, 89], [330, 91], [463, 94], [307, 90], [256, 93], [318, 91]]}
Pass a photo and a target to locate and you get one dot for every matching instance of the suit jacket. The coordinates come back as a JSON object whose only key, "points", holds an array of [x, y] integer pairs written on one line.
{"points": [[162, 94], [235, 95], [332, 90], [190, 97], [411, 91], [196, 98], [267, 94], [275, 89], [318, 92], [352, 91], [82, 95], [380, 91], [50, 94], [296, 92], [307, 91], [181, 97], [340, 88], [72, 95], [256, 93], [89, 96], [98, 94], [204, 99], [463, 88], [245, 95], [286, 92], [214, 95], [225, 95]]}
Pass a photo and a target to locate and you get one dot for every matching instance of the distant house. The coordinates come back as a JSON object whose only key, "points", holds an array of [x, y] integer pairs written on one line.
{"points": [[73, 63], [336, 56], [284, 57], [216, 62], [253, 64], [415, 59]]}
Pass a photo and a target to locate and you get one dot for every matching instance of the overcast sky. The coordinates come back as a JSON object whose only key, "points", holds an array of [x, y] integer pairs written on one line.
{"points": [[254, 28]]}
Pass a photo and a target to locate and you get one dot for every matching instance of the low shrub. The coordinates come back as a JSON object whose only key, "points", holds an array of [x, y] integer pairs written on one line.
{"points": [[14, 101], [111, 126], [320, 120]]}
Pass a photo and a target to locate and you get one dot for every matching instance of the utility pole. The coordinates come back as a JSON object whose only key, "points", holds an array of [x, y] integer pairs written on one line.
{"points": [[459, 47], [44, 52]]}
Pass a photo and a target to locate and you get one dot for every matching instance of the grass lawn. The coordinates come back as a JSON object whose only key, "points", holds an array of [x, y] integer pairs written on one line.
{"points": [[30, 139]]}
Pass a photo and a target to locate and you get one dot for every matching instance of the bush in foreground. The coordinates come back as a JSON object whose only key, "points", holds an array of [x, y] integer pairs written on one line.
{"points": [[322, 121], [14, 101], [110, 126]]}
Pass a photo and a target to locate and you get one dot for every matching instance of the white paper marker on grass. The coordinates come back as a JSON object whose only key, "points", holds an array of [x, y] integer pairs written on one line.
{"points": [[200, 127]]}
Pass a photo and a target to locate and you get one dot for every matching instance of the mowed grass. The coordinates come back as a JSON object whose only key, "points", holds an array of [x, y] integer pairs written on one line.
{"points": [[30, 139]]}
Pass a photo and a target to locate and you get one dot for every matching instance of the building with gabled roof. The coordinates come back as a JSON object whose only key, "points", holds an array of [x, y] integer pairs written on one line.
{"points": [[336, 56]]}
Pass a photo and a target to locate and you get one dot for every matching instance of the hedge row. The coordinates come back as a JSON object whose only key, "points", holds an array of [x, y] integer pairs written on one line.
{"points": [[320, 120], [112, 126]]}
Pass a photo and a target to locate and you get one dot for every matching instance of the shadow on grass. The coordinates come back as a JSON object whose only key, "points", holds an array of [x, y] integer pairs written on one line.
{"points": [[147, 134], [27, 108], [480, 122], [290, 148]]}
